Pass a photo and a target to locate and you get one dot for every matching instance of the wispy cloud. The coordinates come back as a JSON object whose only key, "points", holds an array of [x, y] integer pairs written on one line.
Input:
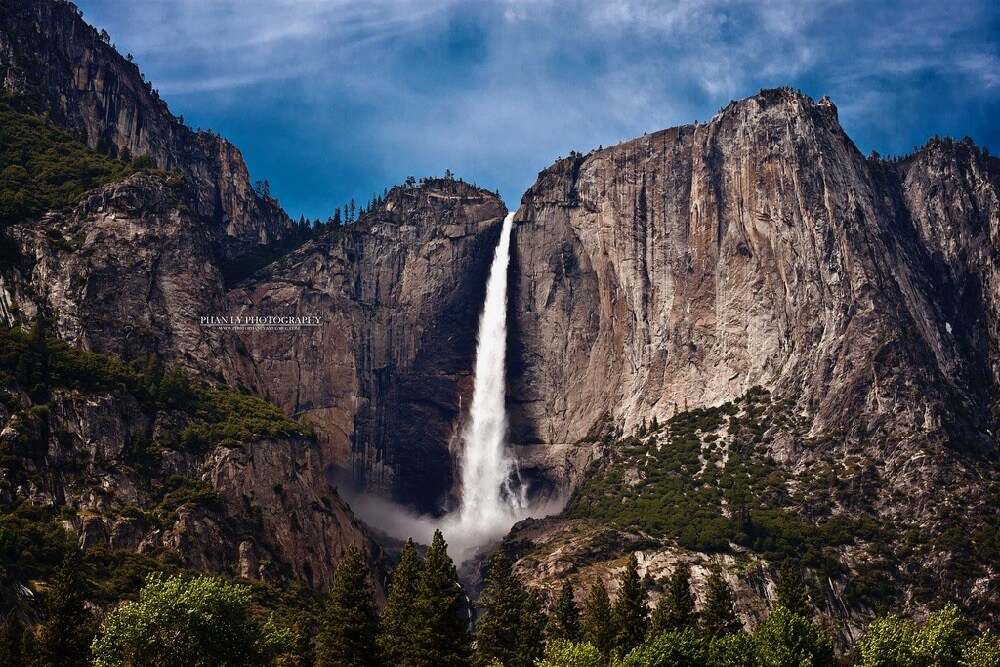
{"points": [[338, 98]]}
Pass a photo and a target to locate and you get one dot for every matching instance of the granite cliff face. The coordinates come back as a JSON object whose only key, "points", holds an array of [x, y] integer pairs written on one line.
{"points": [[128, 272], [759, 249], [762, 254], [263, 509], [60, 66], [399, 294], [667, 278]]}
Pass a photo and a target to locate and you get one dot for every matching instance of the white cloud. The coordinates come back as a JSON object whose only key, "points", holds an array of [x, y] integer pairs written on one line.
{"points": [[496, 89]]}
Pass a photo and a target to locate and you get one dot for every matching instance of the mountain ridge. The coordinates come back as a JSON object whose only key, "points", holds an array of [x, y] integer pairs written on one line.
{"points": [[696, 277], [61, 66], [761, 249]]}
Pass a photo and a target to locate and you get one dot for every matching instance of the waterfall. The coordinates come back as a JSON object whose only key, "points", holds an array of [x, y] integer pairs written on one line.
{"points": [[486, 470], [490, 495]]}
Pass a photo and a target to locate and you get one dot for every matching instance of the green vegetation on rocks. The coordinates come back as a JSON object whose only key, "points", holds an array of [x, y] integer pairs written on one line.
{"points": [[44, 168], [705, 481]]}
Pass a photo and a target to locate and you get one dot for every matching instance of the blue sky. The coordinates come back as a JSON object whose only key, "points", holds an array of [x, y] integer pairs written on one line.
{"points": [[333, 99]]}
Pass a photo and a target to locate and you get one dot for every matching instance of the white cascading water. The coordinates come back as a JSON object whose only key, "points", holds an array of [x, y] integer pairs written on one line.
{"points": [[491, 496], [488, 502]]}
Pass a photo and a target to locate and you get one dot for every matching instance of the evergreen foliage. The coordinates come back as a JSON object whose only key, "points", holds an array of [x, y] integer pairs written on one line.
{"points": [[565, 653], [43, 167], [564, 619], [12, 642], [708, 481], [218, 623], [301, 652], [630, 612], [789, 639], [348, 634], [64, 638], [718, 616], [39, 363], [442, 638], [531, 631], [399, 625], [503, 602], [675, 611], [790, 590], [598, 624], [180, 621]]}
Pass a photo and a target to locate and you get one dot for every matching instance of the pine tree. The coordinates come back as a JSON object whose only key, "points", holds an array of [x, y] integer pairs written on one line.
{"points": [[564, 620], [65, 637], [718, 617], [630, 613], [598, 628], [442, 638], [675, 610], [349, 625], [301, 652], [12, 653], [531, 632], [512, 629], [399, 621], [503, 601], [152, 376], [790, 590]]}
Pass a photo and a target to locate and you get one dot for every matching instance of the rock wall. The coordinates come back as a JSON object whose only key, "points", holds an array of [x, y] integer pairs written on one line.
{"points": [[680, 269], [399, 294], [58, 65], [129, 272], [276, 517]]}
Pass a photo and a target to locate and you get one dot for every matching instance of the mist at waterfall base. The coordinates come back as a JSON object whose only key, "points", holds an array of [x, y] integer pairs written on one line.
{"points": [[491, 495]]}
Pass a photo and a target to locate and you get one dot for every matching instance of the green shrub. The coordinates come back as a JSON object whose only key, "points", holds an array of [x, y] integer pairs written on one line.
{"points": [[563, 653], [43, 167], [788, 639], [188, 621], [669, 649]]}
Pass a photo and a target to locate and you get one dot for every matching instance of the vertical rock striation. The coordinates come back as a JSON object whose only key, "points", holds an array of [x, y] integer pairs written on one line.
{"points": [[128, 272], [383, 379], [682, 268], [58, 65]]}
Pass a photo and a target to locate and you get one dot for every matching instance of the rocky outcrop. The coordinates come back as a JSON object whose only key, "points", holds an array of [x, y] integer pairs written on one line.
{"points": [[129, 272], [58, 65], [679, 270], [949, 193], [383, 378], [550, 551], [262, 510], [134, 267], [302, 519], [682, 268]]}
